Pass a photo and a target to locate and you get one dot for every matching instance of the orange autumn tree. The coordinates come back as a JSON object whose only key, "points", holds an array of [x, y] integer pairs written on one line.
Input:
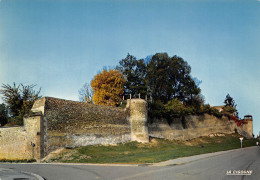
{"points": [[108, 87]]}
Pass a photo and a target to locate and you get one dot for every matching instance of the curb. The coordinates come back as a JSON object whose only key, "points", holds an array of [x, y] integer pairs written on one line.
{"points": [[90, 164], [35, 175], [16, 174], [81, 164]]}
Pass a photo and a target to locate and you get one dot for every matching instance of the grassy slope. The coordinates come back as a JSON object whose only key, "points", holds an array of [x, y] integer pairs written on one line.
{"points": [[155, 151]]}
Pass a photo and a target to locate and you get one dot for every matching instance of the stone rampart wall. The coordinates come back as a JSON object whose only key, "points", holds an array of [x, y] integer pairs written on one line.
{"points": [[58, 123], [71, 124], [15, 142], [248, 128], [191, 127], [138, 116]]}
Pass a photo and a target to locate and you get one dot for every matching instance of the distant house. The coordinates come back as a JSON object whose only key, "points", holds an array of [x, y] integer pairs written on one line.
{"points": [[219, 108], [248, 117]]}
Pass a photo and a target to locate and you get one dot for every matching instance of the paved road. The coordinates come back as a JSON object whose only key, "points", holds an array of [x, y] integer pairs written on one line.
{"points": [[9, 174], [200, 167]]}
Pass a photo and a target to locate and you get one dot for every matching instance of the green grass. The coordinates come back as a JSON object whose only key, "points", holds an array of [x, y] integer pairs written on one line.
{"points": [[156, 151]]}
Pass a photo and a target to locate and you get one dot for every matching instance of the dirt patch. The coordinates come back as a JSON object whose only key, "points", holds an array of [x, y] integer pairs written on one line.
{"points": [[195, 142], [127, 152], [60, 154], [154, 142], [53, 155], [67, 155], [85, 157]]}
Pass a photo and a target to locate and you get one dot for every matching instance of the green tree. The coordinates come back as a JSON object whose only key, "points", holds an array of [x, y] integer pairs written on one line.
{"points": [[169, 78], [229, 101], [230, 106], [3, 114], [134, 72], [19, 99], [160, 76]]}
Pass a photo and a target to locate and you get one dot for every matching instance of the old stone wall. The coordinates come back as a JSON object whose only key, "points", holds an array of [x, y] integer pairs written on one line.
{"points": [[247, 129], [191, 127], [58, 123], [250, 127], [138, 116], [32, 126], [70, 124], [15, 142]]}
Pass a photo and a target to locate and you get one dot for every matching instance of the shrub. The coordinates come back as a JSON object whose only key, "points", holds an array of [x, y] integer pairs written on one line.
{"points": [[206, 108], [229, 110], [215, 112], [3, 114], [190, 110], [157, 110], [175, 108], [211, 110]]}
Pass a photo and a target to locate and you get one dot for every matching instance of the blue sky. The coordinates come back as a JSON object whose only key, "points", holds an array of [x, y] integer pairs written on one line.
{"points": [[60, 45]]}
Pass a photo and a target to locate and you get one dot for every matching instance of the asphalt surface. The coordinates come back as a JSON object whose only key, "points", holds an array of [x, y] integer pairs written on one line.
{"points": [[10, 174], [239, 164]]}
